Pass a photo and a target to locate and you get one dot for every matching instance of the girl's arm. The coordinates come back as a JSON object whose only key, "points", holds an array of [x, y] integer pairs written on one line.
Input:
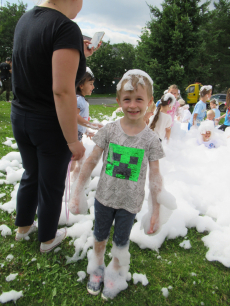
{"points": [[194, 118], [65, 64], [83, 122], [167, 133], [86, 170], [220, 117], [177, 108], [155, 186]]}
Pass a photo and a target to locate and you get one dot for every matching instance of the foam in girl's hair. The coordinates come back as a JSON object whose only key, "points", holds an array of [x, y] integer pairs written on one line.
{"points": [[206, 87], [127, 76], [214, 101], [207, 126], [89, 71], [168, 96]]}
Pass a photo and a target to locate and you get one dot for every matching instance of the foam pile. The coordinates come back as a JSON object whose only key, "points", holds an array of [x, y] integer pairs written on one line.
{"points": [[196, 177]]}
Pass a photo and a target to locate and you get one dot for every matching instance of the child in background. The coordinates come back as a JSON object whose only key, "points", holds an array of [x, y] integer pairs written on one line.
{"points": [[173, 89], [227, 115], [211, 116], [206, 136], [161, 122], [149, 113], [129, 146], [83, 88], [184, 114], [199, 111], [214, 106]]}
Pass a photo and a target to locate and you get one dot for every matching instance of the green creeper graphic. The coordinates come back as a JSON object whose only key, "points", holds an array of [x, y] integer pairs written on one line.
{"points": [[124, 162]]}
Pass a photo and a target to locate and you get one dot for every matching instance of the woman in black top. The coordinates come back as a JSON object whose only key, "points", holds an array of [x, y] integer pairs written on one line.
{"points": [[48, 59]]}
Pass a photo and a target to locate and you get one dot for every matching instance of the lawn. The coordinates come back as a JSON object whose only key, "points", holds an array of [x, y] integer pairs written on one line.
{"points": [[113, 95], [45, 279]]}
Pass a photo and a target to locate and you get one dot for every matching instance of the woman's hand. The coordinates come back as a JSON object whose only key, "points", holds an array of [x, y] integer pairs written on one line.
{"points": [[77, 150], [89, 52]]}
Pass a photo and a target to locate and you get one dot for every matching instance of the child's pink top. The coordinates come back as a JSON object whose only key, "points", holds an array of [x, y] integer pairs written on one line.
{"points": [[173, 111]]}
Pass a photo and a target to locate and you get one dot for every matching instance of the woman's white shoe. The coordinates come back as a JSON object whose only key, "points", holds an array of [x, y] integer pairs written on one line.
{"points": [[33, 228], [60, 235]]}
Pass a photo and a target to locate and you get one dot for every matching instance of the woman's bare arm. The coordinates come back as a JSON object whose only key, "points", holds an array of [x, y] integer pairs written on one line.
{"points": [[65, 64]]}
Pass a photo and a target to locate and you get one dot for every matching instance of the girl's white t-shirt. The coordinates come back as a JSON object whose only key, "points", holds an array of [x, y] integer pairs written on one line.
{"points": [[164, 121]]}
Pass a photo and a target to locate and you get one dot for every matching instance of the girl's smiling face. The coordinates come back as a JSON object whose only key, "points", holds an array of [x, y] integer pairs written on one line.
{"points": [[174, 92], [87, 88], [206, 136], [212, 105], [134, 103]]}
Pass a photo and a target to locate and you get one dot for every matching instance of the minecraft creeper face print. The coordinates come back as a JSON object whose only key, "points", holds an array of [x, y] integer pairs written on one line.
{"points": [[124, 162]]}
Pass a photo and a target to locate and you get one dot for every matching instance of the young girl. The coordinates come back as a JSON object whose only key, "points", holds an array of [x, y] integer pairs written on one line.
{"points": [[174, 90], [128, 147], [161, 122], [214, 106], [206, 136], [183, 112], [199, 111], [84, 88], [227, 115], [211, 116]]}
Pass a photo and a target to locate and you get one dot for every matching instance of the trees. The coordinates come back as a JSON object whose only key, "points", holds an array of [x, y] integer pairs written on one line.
{"points": [[111, 61], [170, 41], [220, 48], [125, 56], [9, 16], [103, 64]]}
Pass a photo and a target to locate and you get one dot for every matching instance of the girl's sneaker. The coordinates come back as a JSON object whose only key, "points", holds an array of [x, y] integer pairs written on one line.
{"points": [[95, 281], [107, 292], [32, 229], [114, 283]]}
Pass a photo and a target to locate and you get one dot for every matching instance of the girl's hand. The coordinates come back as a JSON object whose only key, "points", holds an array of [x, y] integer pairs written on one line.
{"points": [[96, 126], [78, 204], [74, 207], [89, 134], [154, 224]]}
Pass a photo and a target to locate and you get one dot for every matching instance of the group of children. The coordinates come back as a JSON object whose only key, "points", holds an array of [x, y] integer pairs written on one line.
{"points": [[129, 147], [207, 127]]}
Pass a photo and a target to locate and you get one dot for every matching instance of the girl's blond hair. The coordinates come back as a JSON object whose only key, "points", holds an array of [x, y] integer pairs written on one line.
{"points": [[211, 112], [174, 86], [151, 107], [135, 81]]}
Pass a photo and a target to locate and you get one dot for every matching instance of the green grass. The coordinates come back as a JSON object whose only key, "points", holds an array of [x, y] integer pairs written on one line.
{"points": [[100, 111], [113, 95], [49, 281]]}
